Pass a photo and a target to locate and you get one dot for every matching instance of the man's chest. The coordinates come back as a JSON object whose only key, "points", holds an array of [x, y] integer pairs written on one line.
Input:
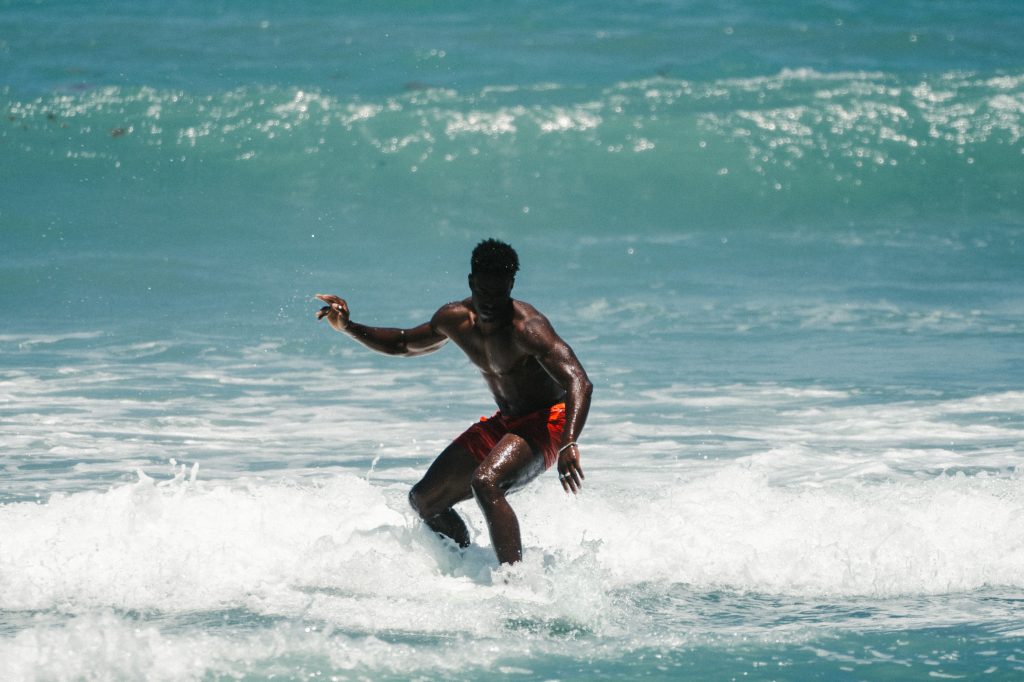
{"points": [[495, 353]]}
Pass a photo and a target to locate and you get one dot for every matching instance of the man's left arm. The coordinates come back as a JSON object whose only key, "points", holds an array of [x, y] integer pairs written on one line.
{"points": [[559, 360]]}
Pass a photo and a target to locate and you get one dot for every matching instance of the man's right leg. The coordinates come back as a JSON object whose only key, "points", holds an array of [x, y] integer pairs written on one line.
{"points": [[445, 484]]}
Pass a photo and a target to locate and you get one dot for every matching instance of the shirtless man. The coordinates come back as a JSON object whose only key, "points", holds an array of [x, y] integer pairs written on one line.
{"points": [[542, 392]]}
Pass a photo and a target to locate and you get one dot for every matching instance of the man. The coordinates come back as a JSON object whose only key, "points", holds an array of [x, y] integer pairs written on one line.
{"points": [[542, 392]]}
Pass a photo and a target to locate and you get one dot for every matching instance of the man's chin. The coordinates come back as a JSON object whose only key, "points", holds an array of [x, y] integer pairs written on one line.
{"points": [[493, 319]]}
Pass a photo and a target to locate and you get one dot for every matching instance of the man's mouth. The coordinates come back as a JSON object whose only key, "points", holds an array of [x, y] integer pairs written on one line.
{"points": [[489, 313]]}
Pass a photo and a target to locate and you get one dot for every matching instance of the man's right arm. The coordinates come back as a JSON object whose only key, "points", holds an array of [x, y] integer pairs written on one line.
{"points": [[418, 340]]}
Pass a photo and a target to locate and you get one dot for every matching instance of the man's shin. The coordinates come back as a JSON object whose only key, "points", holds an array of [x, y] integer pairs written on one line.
{"points": [[449, 524]]}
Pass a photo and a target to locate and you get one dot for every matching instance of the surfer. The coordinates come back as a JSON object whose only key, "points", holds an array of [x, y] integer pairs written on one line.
{"points": [[542, 393]]}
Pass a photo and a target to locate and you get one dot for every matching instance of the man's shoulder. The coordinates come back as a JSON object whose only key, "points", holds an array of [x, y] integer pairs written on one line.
{"points": [[451, 313], [527, 315], [532, 327], [455, 308]]}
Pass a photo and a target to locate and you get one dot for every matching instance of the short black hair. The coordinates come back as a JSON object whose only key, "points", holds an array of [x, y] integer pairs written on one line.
{"points": [[493, 257]]}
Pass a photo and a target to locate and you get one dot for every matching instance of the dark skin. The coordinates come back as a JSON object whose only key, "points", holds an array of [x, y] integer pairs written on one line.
{"points": [[527, 367]]}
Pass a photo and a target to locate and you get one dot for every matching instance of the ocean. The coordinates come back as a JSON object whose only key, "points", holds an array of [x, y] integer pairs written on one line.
{"points": [[785, 240]]}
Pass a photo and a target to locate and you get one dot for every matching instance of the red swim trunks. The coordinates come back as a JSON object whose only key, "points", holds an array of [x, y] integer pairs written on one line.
{"points": [[541, 429]]}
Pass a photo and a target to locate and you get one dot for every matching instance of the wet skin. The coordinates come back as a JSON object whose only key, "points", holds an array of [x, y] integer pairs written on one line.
{"points": [[527, 367]]}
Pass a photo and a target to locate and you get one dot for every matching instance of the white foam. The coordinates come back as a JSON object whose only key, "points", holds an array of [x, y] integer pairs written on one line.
{"points": [[284, 548], [105, 646], [25, 341], [320, 569], [734, 530]]}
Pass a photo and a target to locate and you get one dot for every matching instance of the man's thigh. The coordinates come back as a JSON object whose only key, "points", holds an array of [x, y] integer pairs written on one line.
{"points": [[512, 463], [447, 480]]}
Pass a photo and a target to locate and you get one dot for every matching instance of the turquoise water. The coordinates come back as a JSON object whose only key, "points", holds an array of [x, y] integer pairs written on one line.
{"points": [[785, 241]]}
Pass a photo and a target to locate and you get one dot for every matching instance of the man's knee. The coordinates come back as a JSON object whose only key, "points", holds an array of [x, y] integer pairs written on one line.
{"points": [[418, 501], [428, 501], [484, 485]]}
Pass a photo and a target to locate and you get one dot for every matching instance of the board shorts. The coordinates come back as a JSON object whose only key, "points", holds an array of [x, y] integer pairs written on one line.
{"points": [[541, 429]]}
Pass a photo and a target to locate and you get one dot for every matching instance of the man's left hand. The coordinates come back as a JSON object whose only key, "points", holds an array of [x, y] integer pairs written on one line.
{"points": [[570, 473]]}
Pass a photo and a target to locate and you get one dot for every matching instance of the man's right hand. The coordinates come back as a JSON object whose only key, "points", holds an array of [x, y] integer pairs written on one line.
{"points": [[336, 311]]}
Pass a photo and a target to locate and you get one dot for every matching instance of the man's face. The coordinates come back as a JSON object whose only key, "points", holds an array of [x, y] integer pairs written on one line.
{"points": [[491, 295]]}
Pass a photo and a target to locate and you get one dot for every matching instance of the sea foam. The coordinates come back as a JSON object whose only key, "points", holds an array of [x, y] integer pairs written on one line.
{"points": [[340, 545]]}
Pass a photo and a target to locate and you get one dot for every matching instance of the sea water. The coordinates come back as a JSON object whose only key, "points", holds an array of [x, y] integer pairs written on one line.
{"points": [[785, 240]]}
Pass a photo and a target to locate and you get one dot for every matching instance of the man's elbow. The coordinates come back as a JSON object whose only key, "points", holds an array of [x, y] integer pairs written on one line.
{"points": [[584, 387], [414, 351]]}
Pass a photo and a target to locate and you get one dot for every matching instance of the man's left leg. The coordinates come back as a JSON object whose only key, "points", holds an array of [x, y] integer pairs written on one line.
{"points": [[511, 464]]}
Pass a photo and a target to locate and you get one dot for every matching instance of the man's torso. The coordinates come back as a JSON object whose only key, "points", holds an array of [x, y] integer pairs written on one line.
{"points": [[518, 381]]}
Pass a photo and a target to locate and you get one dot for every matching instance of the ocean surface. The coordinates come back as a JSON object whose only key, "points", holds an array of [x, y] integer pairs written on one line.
{"points": [[785, 239]]}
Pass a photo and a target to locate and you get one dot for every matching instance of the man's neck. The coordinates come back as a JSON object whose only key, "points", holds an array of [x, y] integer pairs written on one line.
{"points": [[496, 322]]}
